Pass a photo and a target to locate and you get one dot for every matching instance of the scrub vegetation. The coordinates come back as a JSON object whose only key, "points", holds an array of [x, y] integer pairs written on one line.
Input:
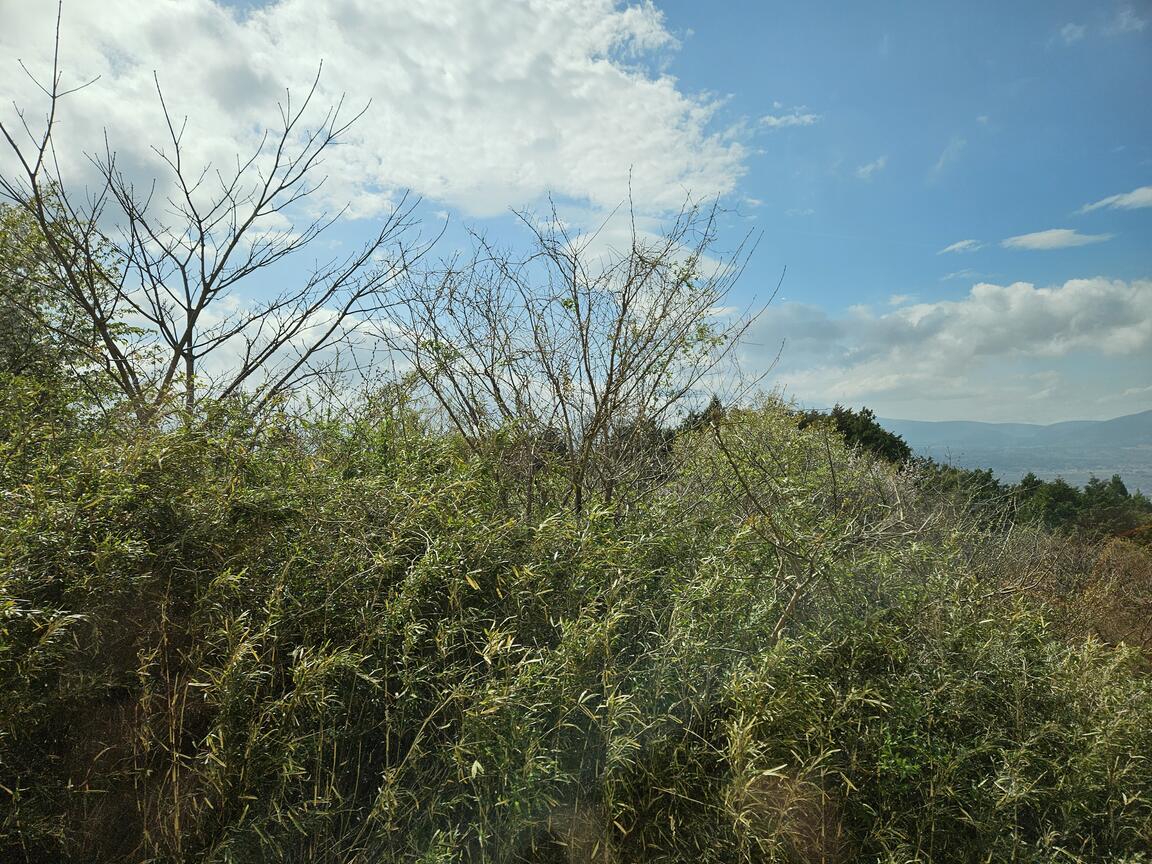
{"points": [[533, 600], [343, 640]]}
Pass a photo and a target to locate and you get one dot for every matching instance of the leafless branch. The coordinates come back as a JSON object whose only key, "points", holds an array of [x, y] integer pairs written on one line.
{"points": [[171, 262], [577, 348]]}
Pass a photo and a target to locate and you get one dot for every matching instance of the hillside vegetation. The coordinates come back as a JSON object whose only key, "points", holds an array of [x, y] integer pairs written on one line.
{"points": [[312, 640]]}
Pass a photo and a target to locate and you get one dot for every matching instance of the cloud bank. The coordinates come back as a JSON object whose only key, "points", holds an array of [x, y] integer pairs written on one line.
{"points": [[1001, 351], [478, 104]]}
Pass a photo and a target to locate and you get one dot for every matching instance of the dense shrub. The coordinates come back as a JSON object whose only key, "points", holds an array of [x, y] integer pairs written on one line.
{"points": [[339, 641]]}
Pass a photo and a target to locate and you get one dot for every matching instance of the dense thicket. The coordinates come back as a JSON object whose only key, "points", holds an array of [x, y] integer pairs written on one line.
{"points": [[345, 641]]}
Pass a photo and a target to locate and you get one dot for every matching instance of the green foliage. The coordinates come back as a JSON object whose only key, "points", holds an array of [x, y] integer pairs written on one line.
{"points": [[860, 429], [335, 639], [29, 300], [43, 334], [957, 736], [1100, 509]]}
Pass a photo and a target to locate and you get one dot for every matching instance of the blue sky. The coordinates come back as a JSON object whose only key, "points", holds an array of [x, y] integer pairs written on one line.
{"points": [[982, 123], [935, 124], [860, 140]]}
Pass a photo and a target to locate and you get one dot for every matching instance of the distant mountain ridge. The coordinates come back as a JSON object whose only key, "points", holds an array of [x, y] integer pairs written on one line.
{"points": [[1074, 449]]}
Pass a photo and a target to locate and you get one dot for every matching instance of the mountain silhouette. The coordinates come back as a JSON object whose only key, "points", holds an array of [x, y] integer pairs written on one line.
{"points": [[1075, 450]]}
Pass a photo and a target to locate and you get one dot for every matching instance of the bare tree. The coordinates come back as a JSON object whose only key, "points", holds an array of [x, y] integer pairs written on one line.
{"points": [[166, 263], [580, 352]]}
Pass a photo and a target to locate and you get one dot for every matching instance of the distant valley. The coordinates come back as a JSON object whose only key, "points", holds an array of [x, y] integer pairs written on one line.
{"points": [[1075, 450]]}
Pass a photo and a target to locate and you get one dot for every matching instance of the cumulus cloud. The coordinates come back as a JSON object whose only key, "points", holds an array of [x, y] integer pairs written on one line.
{"points": [[982, 350], [478, 104], [962, 246], [865, 172], [1053, 238], [1133, 200]]}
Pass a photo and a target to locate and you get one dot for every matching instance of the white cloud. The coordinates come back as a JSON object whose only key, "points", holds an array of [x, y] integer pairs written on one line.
{"points": [[978, 356], [479, 104], [1053, 238], [960, 274], [1126, 21], [794, 117], [1133, 200], [1072, 33], [865, 172], [962, 246], [949, 155]]}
